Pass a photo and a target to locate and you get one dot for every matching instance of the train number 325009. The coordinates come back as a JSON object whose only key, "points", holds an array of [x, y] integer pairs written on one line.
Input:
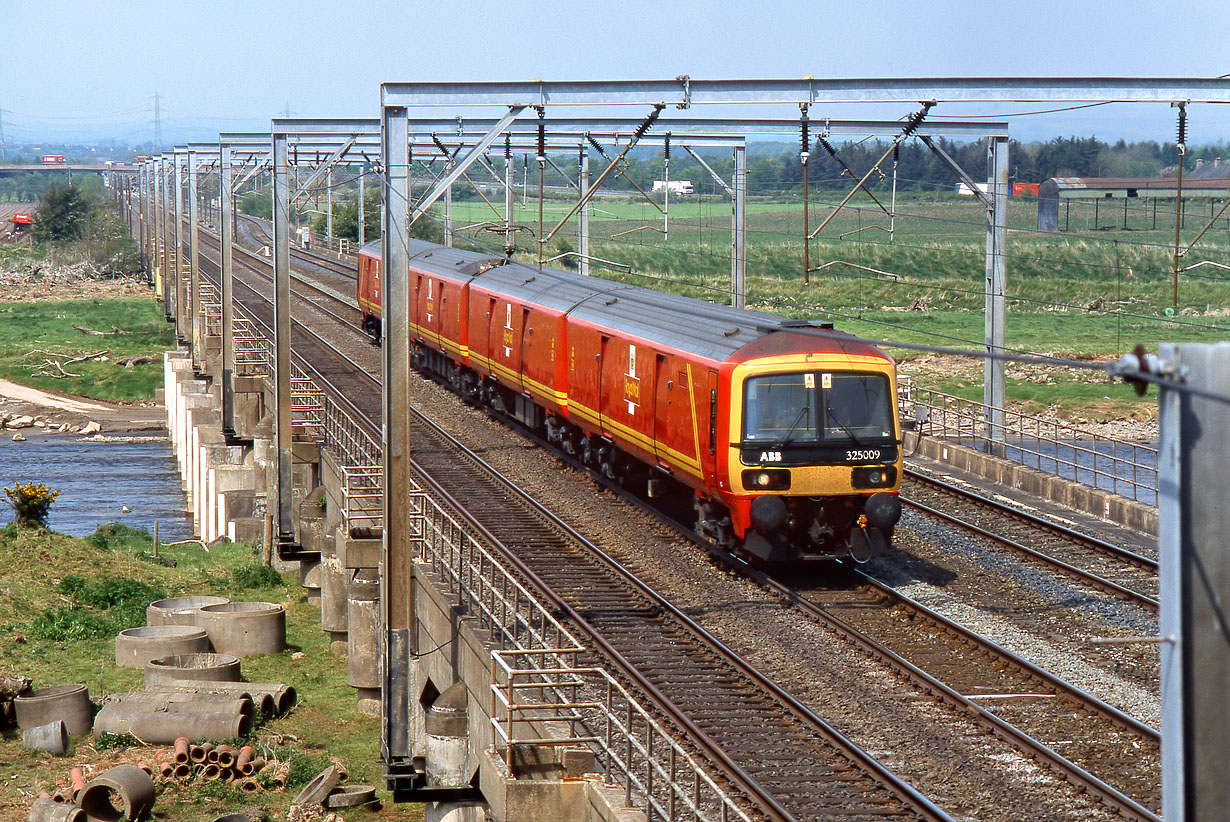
{"points": [[863, 454]]}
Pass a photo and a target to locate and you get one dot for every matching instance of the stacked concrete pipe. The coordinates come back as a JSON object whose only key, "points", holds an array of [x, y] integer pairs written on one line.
{"points": [[196, 723], [244, 629], [137, 646], [194, 667], [281, 697], [179, 610]]}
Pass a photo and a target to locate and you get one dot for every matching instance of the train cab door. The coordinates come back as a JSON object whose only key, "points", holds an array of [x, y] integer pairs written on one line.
{"points": [[710, 404], [663, 394]]}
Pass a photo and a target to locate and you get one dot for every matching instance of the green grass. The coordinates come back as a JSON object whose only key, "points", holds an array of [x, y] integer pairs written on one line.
{"points": [[45, 571], [33, 333]]}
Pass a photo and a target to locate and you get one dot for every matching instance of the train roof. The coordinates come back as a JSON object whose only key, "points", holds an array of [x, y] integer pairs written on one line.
{"points": [[717, 332]]}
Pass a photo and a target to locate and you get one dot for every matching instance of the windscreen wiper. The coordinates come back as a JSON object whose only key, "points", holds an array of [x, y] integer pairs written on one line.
{"points": [[793, 425]]}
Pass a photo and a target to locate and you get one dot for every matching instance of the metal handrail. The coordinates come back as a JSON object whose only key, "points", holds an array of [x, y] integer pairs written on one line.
{"points": [[1050, 446], [536, 653]]}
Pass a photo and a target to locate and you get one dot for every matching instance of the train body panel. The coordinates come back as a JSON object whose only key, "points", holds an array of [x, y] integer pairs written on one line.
{"points": [[785, 435]]}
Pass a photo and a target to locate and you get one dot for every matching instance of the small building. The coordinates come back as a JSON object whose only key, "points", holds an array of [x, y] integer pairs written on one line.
{"points": [[673, 186], [1099, 189]]}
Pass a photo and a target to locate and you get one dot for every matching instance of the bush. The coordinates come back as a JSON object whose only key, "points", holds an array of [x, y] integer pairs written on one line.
{"points": [[62, 214], [31, 502]]}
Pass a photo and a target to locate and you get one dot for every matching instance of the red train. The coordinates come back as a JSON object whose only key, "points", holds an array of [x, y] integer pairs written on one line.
{"points": [[783, 439]]}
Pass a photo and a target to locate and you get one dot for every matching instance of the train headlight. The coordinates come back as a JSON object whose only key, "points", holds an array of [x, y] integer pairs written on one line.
{"points": [[880, 476], [766, 479]]}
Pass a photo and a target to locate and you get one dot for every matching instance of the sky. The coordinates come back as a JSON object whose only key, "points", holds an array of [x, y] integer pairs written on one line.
{"points": [[90, 70]]}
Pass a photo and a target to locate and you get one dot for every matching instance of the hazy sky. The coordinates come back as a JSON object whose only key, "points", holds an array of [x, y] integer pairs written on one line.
{"points": [[93, 67]]}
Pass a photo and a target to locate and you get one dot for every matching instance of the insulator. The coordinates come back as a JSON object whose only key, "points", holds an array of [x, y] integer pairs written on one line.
{"points": [[440, 145], [1182, 125], [542, 134], [666, 148], [594, 143], [917, 118], [804, 138], [896, 152], [507, 146], [648, 123], [827, 147]]}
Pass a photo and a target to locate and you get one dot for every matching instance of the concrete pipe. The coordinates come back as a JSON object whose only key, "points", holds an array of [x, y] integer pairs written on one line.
{"points": [[124, 792], [137, 646], [315, 792], [195, 667], [283, 696], [263, 704], [52, 738], [350, 796], [70, 703], [162, 727], [245, 628], [179, 610], [180, 702], [46, 809]]}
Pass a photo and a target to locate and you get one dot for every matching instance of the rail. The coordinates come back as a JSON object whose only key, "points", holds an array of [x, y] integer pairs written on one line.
{"points": [[1053, 447], [540, 696]]}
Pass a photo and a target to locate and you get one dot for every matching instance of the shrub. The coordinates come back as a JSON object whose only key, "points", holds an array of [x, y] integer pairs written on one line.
{"points": [[31, 502]]}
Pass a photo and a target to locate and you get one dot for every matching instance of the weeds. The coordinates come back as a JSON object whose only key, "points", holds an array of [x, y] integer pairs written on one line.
{"points": [[70, 624], [246, 577], [114, 535], [108, 741], [303, 766]]}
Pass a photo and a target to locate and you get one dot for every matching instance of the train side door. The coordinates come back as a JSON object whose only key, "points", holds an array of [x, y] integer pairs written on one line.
{"points": [[663, 394], [604, 393]]}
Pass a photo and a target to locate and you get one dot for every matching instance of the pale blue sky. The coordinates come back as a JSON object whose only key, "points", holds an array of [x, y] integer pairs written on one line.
{"points": [[89, 66]]}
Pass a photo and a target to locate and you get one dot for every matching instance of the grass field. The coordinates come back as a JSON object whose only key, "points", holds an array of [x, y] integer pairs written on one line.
{"points": [[38, 342], [63, 599]]}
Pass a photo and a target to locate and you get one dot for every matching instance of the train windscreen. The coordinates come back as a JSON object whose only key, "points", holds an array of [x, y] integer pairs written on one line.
{"points": [[817, 406]]}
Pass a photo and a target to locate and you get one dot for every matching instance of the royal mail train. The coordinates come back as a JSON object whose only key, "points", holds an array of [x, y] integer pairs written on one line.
{"points": [[781, 436]]}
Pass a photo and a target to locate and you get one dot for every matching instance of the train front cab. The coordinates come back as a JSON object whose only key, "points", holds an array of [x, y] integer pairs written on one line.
{"points": [[814, 459]]}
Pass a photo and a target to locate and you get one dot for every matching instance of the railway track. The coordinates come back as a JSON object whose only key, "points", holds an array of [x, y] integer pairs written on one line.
{"points": [[1092, 561], [1093, 745], [1116, 756], [734, 714]]}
